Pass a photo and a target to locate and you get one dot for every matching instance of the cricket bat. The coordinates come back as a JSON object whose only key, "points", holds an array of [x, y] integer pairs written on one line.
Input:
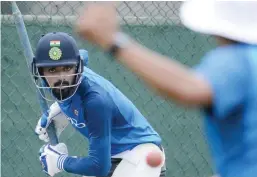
{"points": [[22, 32]]}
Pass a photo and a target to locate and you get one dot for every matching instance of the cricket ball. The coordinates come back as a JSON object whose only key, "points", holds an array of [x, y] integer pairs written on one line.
{"points": [[154, 159]]}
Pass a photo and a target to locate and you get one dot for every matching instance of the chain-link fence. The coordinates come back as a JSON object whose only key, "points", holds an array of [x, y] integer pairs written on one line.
{"points": [[154, 24]]}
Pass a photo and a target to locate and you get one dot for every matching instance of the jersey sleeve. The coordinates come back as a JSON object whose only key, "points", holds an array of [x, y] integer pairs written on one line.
{"points": [[227, 75], [98, 113]]}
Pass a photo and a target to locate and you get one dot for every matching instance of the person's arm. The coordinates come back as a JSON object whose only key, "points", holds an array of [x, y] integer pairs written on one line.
{"points": [[219, 82], [99, 24], [98, 113], [166, 75]]}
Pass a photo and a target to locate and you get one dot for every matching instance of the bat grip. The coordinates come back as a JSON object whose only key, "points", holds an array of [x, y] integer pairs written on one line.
{"points": [[51, 134]]}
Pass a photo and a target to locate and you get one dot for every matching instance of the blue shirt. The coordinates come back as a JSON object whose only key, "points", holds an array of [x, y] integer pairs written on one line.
{"points": [[231, 122], [109, 120]]}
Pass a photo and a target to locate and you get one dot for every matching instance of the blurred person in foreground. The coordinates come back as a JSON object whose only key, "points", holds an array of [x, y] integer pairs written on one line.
{"points": [[224, 84]]}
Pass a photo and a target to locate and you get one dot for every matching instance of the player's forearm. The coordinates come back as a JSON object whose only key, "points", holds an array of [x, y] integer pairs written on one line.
{"points": [[88, 166], [98, 161], [167, 76]]}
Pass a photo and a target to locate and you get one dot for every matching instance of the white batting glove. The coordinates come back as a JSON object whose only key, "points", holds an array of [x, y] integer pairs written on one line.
{"points": [[52, 158], [56, 115]]}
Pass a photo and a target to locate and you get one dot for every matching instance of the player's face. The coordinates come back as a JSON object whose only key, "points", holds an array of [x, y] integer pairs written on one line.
{"points": [[59, 79]]}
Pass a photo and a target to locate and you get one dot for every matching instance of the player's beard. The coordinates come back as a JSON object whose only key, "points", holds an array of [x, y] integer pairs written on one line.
{"points": [[62, 93]]}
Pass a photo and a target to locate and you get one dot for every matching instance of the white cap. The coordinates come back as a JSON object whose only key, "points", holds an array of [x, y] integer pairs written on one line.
{"points": [[235, 20]]}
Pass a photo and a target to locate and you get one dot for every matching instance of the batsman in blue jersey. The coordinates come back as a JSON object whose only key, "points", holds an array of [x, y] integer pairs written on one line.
{"points": [[119, 136], [223, 84]]}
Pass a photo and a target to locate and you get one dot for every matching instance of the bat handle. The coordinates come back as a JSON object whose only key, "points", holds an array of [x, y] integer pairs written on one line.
{"points": [[52, 135]]}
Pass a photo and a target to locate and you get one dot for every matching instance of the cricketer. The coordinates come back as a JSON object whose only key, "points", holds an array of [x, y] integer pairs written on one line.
{"points": [[119, 136]]}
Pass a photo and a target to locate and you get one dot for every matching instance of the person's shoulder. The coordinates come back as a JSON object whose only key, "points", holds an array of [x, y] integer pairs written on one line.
{"points": [[98, 101], [87, 86], [90, 74], [229, 52], [228, 56], [92, 86], [230, 59], [93, 93]]}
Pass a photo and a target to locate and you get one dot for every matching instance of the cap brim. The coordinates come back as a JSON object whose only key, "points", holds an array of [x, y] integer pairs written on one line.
{"points": [[55, 64], [200, 16]]}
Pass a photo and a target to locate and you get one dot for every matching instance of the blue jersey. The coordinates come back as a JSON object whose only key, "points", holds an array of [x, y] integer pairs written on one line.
{"points": [[231, 122], [109, 120]]}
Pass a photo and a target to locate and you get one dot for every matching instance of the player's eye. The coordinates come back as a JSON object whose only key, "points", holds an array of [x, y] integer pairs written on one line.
{"points": [[51, 70], [67, 68]]}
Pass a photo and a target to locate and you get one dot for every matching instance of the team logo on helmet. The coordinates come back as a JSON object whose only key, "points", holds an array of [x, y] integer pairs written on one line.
{"points": [[55, 53]]}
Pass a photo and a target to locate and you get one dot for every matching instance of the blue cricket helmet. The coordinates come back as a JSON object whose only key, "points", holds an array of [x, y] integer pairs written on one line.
{"points": [[56, 49]]}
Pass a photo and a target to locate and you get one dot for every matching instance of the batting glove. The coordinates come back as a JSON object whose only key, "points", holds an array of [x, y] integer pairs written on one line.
{"points": [[52, 158], [56, 115]]}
